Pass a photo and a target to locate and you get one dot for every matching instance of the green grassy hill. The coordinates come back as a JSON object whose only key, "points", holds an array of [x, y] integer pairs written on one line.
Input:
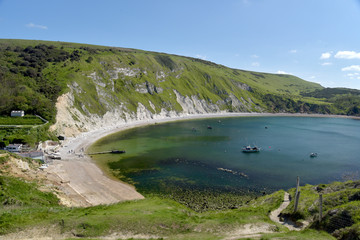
{"points": [[135, 84], [27, 212], [34, 73], [130, 82]]}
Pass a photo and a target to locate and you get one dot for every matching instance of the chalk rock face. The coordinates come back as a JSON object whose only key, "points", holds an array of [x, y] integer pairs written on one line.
{"points": [[194, 105], [147, 87], [118, 95], [71, 121]]}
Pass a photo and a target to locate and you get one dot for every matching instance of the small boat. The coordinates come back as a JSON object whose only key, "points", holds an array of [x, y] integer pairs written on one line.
{"points": [[43, 166], [249, 149], [313, 155], [209, 127], [117, 151], [54, 156]]}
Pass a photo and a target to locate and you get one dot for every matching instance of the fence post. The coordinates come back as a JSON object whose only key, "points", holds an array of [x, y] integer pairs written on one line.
{"points": [[297, 186], [320, 207], [297, 201]]}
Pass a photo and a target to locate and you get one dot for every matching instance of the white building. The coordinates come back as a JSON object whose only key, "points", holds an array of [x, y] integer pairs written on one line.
{"points": [[17, 113], [14, 148]]}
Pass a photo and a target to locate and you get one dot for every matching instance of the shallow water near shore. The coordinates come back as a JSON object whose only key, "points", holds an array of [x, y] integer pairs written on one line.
{"points": [[187, 154]]}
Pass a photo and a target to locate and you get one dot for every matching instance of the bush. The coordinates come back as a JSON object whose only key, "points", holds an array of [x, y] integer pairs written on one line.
{"points": [[89, 60]]}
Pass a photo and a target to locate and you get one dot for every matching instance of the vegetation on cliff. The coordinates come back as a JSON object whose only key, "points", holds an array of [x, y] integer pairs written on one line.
{"points": [[33, 74]]}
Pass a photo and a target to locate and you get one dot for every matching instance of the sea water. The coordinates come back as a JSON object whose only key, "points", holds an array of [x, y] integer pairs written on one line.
{"points": [[207, 154]]}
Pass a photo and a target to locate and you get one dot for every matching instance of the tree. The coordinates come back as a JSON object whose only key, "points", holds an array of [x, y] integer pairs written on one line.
{"points": [[353, 111]]}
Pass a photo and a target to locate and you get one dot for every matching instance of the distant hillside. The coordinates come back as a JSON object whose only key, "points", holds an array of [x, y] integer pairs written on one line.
{"points": [[95, 86]]}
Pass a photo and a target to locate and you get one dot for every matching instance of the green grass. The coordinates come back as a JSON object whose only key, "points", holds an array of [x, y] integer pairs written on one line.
{"points": [[152, 216], [16, 193], [23, 207], [190, 77], [26, 120], [341, 207], [301, 235], [25, 135]]}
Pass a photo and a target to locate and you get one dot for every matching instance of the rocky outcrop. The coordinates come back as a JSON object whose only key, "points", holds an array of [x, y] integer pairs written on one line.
{"points": [[77, 116], [147, 87], [194, 105], [242, 85], [71, 122]]}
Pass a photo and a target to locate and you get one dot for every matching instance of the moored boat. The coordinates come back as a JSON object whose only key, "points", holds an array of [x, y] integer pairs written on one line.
{"points": [[117, 151], [249, 149], [313, 155]]}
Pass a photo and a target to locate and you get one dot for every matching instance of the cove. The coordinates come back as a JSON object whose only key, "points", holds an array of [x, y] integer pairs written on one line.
{"points": [[188, 155]]}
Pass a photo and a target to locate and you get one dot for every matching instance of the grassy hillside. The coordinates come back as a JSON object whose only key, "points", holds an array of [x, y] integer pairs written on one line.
{"points": [[28, 212], [33, 74], [36, 214]]}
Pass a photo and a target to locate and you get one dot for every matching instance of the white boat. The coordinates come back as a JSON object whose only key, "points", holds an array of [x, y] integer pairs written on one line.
{"points": [[43, 166], [249, 149], [54, 156]]}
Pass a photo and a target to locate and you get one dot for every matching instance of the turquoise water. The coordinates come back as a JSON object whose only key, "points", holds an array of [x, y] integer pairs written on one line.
{"points": [[159, 157]]}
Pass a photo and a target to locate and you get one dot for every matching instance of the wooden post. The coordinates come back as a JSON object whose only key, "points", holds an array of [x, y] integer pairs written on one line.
{"points": [[320, 207], [297, 201], [297, 186]]}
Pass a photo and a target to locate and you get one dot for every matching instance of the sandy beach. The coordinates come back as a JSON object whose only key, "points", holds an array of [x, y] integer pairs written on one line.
{"points": [[85, 184]]}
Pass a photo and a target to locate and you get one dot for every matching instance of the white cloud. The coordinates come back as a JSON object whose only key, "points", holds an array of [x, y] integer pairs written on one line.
{"points": [[347, 55], [353, 75], [312, 77], [254, 56], [352, 68], [32, 25], [293, 51], [326, 64], [255, 64], [326, 55], [200, 56], [283, 72]]}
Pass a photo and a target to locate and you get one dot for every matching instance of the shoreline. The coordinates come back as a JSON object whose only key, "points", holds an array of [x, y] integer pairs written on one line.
{"points": [[86, 139], [90, 185]]}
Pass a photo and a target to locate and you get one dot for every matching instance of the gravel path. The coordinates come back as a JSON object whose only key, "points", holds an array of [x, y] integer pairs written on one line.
{"points": [[274, 216]]}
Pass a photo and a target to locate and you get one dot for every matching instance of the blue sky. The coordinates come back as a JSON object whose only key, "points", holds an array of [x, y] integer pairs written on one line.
{"points": [[317, 40]]}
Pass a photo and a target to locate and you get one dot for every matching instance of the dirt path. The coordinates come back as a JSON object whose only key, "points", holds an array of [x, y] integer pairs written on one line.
{"points": [[255, 231], [274, 216], [251, 230]]}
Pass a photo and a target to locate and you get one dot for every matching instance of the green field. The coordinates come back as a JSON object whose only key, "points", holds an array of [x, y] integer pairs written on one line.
{"points": [[26, 120]]}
